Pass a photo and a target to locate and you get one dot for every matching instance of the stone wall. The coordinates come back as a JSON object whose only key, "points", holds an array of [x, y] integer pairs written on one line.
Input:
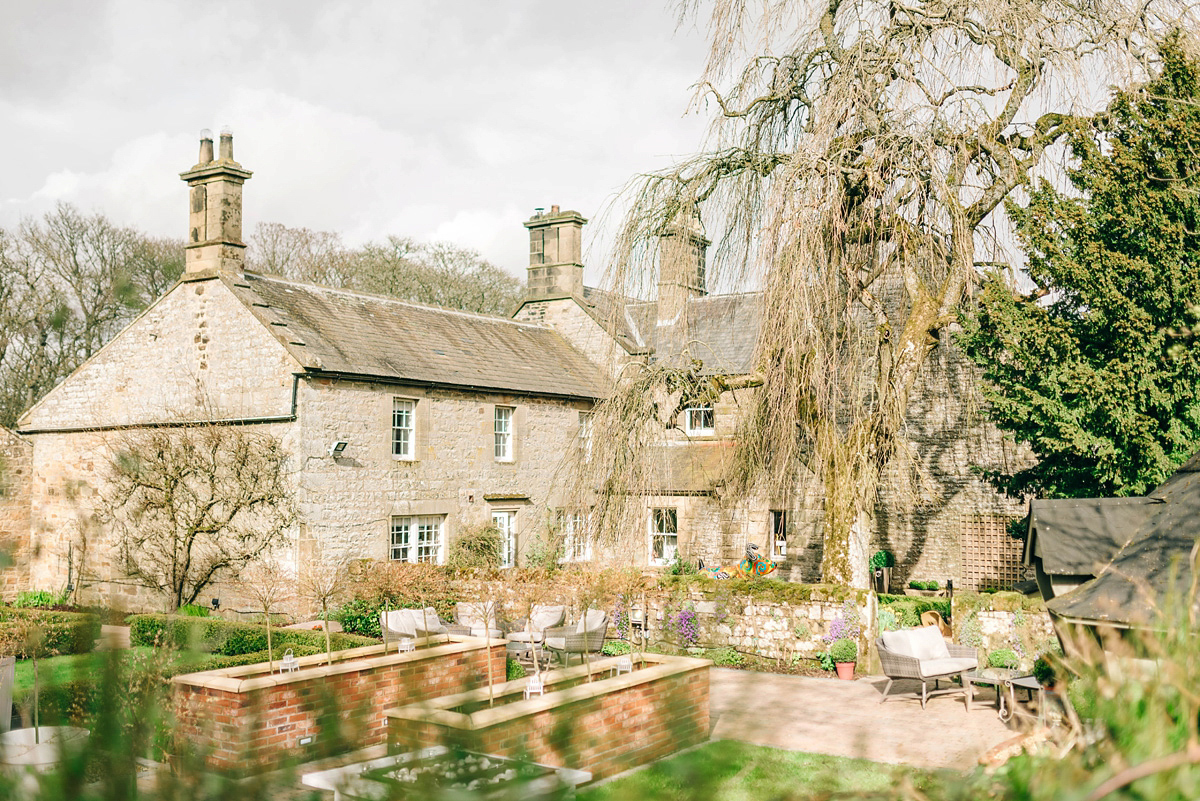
{"points": [[16, 461], [605, 727], [243, 723], [347, 503]]}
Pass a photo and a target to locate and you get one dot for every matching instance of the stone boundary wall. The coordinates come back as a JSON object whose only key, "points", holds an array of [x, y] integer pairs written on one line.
{"points": [[605, 727], [788, 621], [243, 722]]}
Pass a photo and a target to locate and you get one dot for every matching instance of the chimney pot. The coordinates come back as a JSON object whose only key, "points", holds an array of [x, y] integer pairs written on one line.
{"points": [[226, 144], [539, 211], [554, 209], [206, 147]]}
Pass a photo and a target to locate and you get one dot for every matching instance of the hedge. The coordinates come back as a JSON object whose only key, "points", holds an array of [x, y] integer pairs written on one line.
{"points": [[229, 638], [908, 609], [62, 632]]}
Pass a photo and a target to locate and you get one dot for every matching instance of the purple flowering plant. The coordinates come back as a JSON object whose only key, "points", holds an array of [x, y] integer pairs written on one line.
{"points": [[848, 626], [687, 626]]}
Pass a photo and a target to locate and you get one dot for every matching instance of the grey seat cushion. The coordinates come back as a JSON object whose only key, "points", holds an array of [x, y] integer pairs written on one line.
{"points": [[557, 643], [525, 636], [943, 667]]}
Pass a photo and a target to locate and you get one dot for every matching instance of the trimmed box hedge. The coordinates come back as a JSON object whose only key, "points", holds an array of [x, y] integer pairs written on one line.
{"points": [[228, 638], [62, 632]]}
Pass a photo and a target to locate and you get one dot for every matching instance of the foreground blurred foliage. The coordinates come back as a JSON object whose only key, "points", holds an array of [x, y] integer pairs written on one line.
{"points": [[1136, 695]]}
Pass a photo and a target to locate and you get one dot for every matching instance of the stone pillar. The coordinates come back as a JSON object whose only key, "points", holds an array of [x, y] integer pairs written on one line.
{"points": [[215, 208], [555, 254]]}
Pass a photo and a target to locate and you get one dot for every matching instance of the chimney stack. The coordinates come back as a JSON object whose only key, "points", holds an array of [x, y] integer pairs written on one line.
{"points": [[555, 254], [682, 254], [215, 218]]}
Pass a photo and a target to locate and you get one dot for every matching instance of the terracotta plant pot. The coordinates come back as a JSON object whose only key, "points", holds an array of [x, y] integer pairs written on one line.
{"points": [[845, 670]]}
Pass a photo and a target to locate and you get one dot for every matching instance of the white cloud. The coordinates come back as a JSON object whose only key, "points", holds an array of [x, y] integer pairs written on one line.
{"points": [[432, 121]]}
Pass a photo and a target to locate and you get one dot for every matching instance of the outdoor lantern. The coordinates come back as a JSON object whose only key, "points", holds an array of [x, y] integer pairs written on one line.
{"points": [[216, 603]]}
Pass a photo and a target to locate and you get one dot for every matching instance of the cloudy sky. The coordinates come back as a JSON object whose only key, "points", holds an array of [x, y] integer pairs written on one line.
{"points": [[441, 121]]}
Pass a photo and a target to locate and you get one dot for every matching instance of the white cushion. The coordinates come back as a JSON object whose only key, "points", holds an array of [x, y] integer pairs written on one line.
{"points": [[399, 621], [592, 619], [557, 643], [547, 617], [922, 643], [480, 631], [476, 616], [944, 667], [927, 642], [525, 636]]}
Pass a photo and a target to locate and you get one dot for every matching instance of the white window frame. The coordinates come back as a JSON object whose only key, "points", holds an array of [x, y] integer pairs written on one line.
{"points": [[585, 435], [503, 429], [410, 541], [506, 521], [577, 540], [664, 525], [777, 532], [695, 414], [404, 429]]}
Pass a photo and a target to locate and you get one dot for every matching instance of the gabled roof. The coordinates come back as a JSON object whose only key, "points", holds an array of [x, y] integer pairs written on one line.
{"points": [[1152, 563], [356, 334], [1079, 536]]}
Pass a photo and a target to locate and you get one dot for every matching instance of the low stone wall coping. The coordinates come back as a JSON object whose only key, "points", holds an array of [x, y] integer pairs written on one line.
{"points": [[351, 660], [438, 711]]}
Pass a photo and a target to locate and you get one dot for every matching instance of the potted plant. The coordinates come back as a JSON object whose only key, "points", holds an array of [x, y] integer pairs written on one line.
{"points": [[882, 563], [844, 653]]}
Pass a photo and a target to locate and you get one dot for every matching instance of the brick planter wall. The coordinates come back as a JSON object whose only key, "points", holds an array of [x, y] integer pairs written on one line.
{"points": [[244, 722], [605, 727]]}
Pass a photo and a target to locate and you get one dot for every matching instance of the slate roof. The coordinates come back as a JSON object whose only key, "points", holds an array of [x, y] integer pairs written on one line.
{"points": [[353, 333], [719, 330], [1079, 536], [1155, 537]]}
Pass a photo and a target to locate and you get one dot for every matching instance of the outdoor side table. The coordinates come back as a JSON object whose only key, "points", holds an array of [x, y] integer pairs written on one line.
{"points": [[1029, 684], [991, 677]]}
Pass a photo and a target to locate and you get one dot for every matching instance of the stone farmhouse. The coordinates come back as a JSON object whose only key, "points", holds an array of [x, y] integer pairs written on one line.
{"points": [[406, 422]]}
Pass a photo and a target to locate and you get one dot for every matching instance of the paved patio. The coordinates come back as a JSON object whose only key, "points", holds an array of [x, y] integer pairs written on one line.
{"points": [[845, 718]]}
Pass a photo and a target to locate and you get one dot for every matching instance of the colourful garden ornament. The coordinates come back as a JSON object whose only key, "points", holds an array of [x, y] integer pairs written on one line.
{"points": [[752, 566]]}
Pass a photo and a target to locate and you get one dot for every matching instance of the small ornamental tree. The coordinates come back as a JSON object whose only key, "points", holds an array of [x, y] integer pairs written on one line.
{"points": [[269, 586], [193, 503], [1084, 367], [325, 583]]}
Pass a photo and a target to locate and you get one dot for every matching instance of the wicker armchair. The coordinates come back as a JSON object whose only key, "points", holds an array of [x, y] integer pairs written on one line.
{"points": [[586, 636], [923, 655], [411, 623], [477, 620]]}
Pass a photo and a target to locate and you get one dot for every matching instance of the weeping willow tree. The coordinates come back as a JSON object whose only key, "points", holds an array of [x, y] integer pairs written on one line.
{"points": [[859, 154]]}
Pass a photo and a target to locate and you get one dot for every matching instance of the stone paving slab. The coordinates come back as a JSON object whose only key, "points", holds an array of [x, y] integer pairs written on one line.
{"points": [[845, 718]]}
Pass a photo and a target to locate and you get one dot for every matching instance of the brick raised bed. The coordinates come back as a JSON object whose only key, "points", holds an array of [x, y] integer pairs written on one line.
{"points": [[605, 727], [244, 719]]}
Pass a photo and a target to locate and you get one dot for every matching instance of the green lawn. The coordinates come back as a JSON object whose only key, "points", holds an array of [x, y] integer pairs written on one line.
{"points": [[727, 770], [61, 669]]}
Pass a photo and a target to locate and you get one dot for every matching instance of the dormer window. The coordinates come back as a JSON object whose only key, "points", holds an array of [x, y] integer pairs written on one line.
{"points": [[700, 420]]}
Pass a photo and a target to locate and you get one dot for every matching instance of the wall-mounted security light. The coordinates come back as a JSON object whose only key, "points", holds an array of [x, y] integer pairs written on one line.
{"points": [[216, 604], [338, 448]]}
